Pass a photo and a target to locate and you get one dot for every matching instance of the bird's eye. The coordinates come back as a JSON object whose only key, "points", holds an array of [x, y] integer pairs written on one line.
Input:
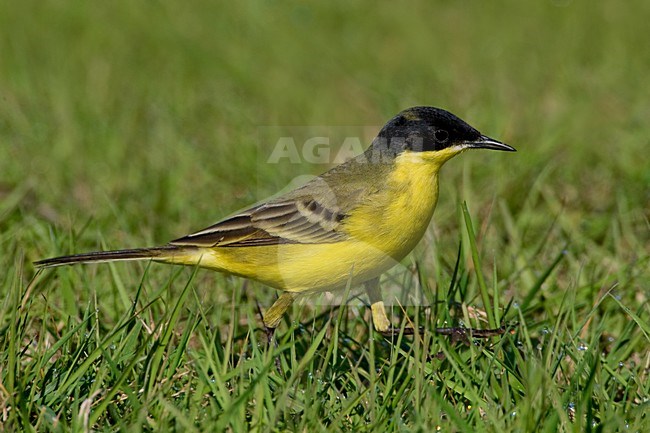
{"points": [[441, 135]]}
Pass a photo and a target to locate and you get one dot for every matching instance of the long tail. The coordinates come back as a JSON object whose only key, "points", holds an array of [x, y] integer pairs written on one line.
{"points": [[110, 256]]}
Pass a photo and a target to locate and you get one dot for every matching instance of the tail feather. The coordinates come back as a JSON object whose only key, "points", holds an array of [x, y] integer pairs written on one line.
{"points": [[109, 256]]}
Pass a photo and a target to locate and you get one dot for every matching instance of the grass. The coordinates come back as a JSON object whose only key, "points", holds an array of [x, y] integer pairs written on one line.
{"points": [[127, 124]]}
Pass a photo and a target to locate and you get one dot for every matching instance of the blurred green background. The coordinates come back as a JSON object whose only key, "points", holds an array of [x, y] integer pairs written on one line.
{"points": [[126, 124], [147, 114]]}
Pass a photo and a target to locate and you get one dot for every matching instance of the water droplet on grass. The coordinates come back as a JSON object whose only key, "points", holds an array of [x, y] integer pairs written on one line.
{"points": [[582, 346]]}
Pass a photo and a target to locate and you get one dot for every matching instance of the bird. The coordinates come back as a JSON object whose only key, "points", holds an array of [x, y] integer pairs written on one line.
{"points": [[344, 228]]}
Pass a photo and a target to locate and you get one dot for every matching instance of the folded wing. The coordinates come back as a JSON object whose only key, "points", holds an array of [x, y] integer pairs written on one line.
{"points": [[302, 220]]}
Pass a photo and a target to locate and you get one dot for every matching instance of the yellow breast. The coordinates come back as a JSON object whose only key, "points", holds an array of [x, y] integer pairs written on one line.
{"points": [[396, 221]]}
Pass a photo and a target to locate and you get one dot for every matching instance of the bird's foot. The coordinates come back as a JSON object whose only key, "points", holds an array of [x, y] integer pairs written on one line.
{"points": [[456, 333], [270, 337], [393, 331], [465, 334], [272, 342]]}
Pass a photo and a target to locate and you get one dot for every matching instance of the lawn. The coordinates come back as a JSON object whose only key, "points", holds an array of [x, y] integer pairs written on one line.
{"points": [[128, 124]]}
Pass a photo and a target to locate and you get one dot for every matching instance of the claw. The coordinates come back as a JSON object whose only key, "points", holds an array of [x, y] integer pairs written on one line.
{"points": [[394, 332], [464, 334], [456, 333]]}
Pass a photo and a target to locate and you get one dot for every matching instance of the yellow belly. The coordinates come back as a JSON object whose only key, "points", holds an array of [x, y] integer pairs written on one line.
{"points": [[302, 267]]}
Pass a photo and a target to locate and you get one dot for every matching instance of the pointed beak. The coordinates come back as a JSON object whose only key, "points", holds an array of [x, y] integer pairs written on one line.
{"points": [[485, 142]]}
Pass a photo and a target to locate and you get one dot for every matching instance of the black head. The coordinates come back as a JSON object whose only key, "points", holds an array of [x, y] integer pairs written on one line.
{"points": [[425, 129]]}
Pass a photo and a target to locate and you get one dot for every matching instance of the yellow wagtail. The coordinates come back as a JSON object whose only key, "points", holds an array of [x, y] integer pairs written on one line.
{"points": [[347, 226]]}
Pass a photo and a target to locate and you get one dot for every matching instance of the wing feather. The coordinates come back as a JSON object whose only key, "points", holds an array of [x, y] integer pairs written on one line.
{"points": [[295, 221]]}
